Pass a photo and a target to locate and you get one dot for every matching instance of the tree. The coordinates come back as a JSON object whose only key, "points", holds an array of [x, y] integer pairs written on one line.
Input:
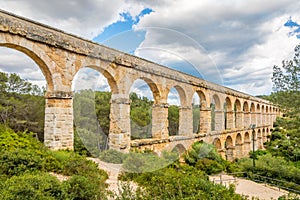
{"points": [[22, 104], [286, 84]]}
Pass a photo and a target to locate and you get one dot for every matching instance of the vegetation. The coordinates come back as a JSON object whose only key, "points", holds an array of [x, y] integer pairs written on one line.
{"points": [[173, 117], [180, 181], [141, 117], [22, 104], [286, 85], [280, 162], [25, 166]]}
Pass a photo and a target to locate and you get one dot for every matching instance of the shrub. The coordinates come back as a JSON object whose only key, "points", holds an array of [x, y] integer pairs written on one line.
{"points": [[80, 187], [209, 166], [31, 186], [112, 156]]}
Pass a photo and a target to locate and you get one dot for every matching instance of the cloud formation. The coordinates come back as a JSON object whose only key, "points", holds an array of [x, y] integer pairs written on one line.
{"points": [[234, 43]]}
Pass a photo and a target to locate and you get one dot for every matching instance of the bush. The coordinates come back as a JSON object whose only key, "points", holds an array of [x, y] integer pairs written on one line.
{"points": [[112, 156], [182, 182], [80, 187], [209, 166], [31, 186]]}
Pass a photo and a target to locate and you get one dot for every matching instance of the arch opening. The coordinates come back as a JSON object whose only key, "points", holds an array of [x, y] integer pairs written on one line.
{"points": [[196, 106], [91, 107], [238, 114], [229, 154], [142, 99], [25, 77], [228, 114], [174, 101], [216, 115], [246, 115]]}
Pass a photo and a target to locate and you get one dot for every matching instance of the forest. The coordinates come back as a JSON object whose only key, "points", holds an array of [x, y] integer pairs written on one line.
{"points": [[26, 164]]}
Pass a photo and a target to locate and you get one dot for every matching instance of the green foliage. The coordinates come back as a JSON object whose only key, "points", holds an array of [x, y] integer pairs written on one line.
{"points": [[25, 165], [273, 167], [286, 84], [81, 187], [32, 187], [196, 118], [285, 139], [173, 117], [141, 116], [136, 162], [22, 104], [112, 156], [181, 182]]}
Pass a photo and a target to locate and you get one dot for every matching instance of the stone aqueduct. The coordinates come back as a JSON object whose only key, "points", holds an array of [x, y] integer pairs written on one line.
{"points": [[60, 56]]}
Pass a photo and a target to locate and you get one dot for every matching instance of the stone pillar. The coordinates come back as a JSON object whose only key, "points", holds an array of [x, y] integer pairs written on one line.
{"points": [[219, 120], [246, 148], [230, 153], [160, 121], [253, 118], [58, 130], [258, 119], [263, 119], [239, 150], [239, 120], [119, 130], [205, 120], [185, 121], [230, 119], [246, 119], [260, 142]]}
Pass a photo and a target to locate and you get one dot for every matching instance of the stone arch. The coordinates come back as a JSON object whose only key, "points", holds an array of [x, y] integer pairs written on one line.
{"points": [[144, 130], [247, 144], [238, 115], [258, 115], [179, 149], [264, 134], [38, 59], [154, 89], [239, 146], [253, 114], [203, 101], [185, 123], [217, 143], [228, 142], [229, 154], [263, 115], [182, 94], [246, 110], [216, 113], [196, 107], [228, 114], [247, 137], [238, 139], [260, 139], [267, 115], [216, 101], [110, 78]]}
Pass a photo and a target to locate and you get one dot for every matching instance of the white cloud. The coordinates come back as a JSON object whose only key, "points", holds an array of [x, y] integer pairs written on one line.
{"points": [[87, 78], [244, 38], [84, 18]]}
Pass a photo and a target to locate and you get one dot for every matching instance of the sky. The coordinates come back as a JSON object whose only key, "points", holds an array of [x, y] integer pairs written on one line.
{"points": [[231, 42]]}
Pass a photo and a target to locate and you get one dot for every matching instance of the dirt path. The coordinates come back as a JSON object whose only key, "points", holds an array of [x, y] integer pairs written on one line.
{"points": [[244, 187], [249, 188], [113, 171]]}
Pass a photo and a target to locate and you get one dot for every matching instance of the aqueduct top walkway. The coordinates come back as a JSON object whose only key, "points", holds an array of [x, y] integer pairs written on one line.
{"points": [[60, 56]]}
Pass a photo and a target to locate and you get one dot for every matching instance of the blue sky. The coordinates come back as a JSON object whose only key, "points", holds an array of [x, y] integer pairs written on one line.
{"points": [[233, 43]]}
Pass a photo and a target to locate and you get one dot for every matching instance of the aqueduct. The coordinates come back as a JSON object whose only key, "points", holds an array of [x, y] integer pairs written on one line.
{"points": [[60, 56]]}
